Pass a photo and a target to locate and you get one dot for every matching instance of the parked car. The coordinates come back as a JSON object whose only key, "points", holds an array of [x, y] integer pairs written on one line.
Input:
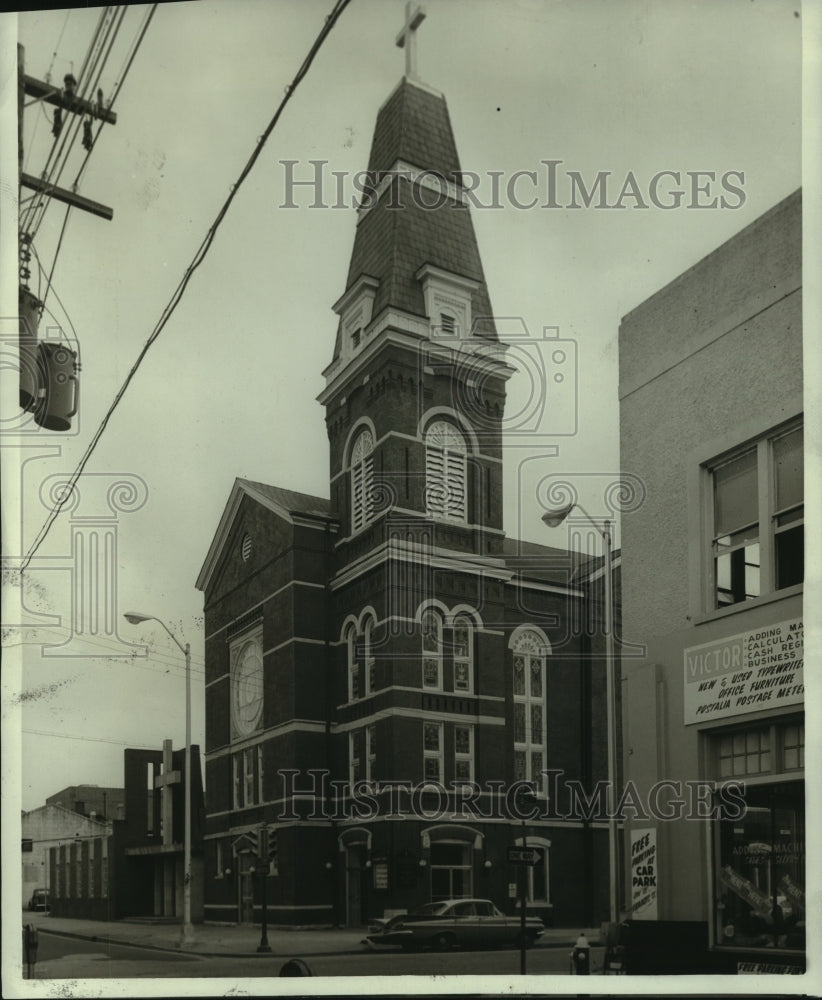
{"points": [[469, 923], [39, 900]]}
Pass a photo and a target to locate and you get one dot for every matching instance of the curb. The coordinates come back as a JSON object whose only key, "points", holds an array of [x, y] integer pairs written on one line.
{"points": [[190, 953]]}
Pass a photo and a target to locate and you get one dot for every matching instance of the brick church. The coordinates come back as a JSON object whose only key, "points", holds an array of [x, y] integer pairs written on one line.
{"points": [[383, 664]]}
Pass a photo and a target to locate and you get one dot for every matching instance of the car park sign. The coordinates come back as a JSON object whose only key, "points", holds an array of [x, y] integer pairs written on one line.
{"points": [[523, 855]]}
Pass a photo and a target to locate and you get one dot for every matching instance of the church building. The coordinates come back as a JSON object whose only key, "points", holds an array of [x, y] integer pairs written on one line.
{"points": [[383, 665]]}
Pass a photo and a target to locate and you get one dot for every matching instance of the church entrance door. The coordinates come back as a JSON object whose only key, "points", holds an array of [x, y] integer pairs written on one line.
{"points": [[245, 888], [354, 873]]}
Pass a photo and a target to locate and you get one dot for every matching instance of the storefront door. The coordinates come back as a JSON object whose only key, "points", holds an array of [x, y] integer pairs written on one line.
{"points": [[354, 886]]}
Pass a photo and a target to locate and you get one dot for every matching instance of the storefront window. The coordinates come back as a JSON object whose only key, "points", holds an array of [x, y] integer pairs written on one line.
{"points": [[760, 879]]}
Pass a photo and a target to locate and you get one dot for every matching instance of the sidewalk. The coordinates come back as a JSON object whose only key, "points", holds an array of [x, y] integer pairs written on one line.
{"points": [[242, 940]]}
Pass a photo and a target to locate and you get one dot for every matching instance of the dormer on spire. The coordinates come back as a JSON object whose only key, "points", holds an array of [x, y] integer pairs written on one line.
{"points": [[407, 38]]}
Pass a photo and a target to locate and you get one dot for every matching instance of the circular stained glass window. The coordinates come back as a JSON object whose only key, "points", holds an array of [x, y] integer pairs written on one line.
{"points": [[248, 688]]}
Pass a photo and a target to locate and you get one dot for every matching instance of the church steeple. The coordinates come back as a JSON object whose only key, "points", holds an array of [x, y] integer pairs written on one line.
{"points": [[414, 213], [416, 325]]}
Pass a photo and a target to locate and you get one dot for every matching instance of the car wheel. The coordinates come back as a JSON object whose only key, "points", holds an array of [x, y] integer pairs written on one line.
{"points": [[443, 942]]}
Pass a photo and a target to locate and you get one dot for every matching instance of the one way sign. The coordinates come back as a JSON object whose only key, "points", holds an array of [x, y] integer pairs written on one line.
{"points": [[523, 855]]}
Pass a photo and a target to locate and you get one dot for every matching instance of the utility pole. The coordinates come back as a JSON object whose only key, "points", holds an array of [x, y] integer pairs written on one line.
{"points": [[65, 100], [263, 863], [48, 371]]}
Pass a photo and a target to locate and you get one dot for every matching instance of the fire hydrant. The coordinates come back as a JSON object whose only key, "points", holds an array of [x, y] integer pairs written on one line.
{"points": [[581, 957]]}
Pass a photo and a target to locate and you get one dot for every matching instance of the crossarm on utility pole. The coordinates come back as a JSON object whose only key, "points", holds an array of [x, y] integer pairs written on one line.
{"points": [[67, 197], [42, 91]]}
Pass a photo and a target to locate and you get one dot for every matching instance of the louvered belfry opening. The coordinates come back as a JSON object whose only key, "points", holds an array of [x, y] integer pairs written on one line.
{"points": [[445, 471], [362, 480]]}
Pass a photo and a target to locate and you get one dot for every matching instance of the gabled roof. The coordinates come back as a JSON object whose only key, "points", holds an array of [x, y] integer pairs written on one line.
{"points": [[551, 565], [284, 503], [71, 817], [289, 500], [392, 243], [541, 563]]}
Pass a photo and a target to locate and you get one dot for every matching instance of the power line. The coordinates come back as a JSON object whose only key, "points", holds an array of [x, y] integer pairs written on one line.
{"points": [[64, 140], [197, 260], [96, 63], [88, 739], [114, 652], [41, 270], [32, 210], [57, 46], [124, 73]]}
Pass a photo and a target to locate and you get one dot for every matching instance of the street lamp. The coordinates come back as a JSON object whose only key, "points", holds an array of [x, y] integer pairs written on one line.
{"points": [[553, 519], [187, 935]]}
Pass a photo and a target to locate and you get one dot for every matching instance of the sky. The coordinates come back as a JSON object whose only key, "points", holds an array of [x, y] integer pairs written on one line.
{"points": [[631, 87]]}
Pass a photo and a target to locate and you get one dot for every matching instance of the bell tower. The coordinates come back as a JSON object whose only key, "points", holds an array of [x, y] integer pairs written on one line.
{"points": [[415, 390]]}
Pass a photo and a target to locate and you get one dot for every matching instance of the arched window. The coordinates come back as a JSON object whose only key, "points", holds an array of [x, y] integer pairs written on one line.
{"points": [[431, 649], [368, 661], [445, 471], [463, 638], [529, 707], [361, 662], [354, 667], [362, 480]]}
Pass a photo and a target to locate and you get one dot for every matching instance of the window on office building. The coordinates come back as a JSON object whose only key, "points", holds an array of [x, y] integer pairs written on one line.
{"points": [[758, 518]]}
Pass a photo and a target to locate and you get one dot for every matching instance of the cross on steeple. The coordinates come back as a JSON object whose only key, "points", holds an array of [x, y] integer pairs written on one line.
{"points": [[407, 38]]}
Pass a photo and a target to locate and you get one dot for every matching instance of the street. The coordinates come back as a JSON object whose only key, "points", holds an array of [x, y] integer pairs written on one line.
{"points": [[72, 958]]}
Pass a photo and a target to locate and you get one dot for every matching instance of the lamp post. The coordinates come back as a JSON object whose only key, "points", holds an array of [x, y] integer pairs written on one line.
{"points": [[187, 932], [553, 518]]}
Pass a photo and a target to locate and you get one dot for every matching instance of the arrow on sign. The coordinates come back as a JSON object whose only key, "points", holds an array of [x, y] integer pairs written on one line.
{"points": [[523, 855]]}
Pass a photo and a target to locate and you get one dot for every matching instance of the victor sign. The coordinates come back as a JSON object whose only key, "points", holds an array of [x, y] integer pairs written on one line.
{"points": [[748, 672]]}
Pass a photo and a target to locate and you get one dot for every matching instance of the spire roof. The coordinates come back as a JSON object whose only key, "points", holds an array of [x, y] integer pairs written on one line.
{"points": [[413, 126], [398, 235]]}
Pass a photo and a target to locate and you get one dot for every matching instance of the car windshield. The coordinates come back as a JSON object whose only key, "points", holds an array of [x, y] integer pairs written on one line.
{"points": [[428, 909]]}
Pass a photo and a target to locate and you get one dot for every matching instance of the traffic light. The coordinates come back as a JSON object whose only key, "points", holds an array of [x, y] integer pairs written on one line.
{"points": [[267, 851]]}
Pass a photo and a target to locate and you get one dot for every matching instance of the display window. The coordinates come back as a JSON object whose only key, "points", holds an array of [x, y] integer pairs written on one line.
{"points": [[760, 870]]}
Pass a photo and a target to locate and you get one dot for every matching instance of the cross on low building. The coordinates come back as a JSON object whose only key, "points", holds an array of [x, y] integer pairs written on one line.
{"points": [[164, 782], [407, 38]]}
